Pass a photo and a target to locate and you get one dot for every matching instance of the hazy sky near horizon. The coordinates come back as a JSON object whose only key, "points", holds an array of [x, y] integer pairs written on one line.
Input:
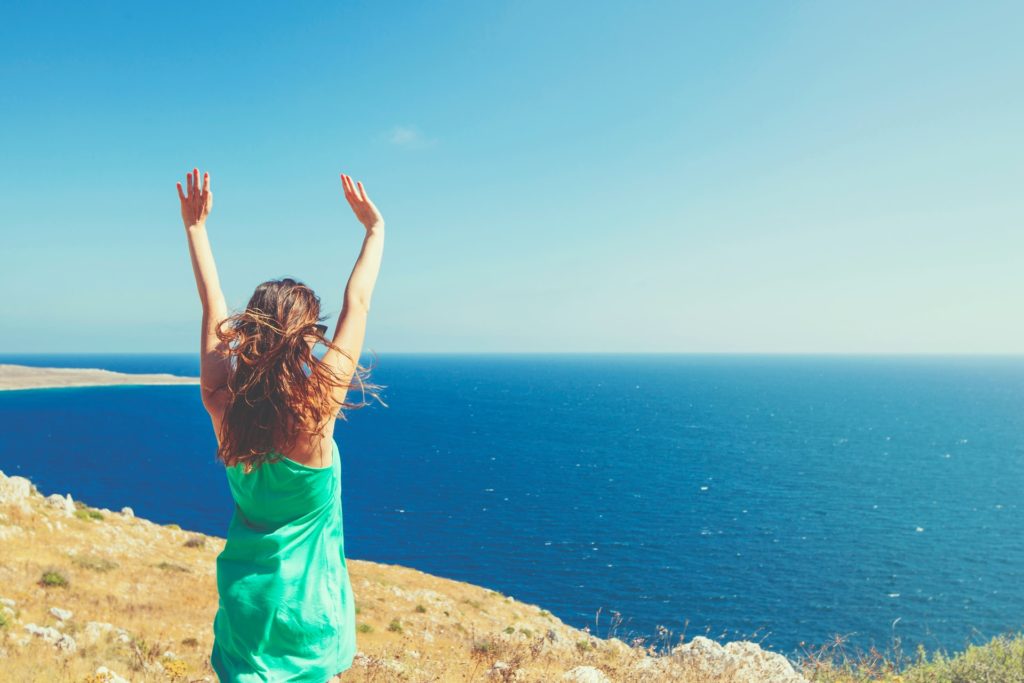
{"points": [[569, 176]]}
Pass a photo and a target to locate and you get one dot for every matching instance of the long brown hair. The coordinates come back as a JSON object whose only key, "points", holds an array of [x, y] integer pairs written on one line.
{"points": [[269, 391]]}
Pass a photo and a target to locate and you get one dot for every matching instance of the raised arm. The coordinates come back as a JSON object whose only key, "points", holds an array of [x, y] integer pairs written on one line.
{"points": [[195, 207], [351, 329]]}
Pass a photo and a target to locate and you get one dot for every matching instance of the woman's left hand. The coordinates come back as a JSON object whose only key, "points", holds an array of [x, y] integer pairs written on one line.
{"points": [[197, 205]]}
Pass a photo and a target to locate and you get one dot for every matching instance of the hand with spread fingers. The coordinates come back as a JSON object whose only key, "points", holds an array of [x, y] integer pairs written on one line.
{"points": [[364, 209], [196, 206]]}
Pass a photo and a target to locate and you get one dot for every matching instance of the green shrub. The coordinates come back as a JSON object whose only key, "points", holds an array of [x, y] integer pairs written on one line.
{"points": [[421, 609], [364, 628], [195, 542], [170, 566], [395, 625], [53, 578], [1001, 660]]}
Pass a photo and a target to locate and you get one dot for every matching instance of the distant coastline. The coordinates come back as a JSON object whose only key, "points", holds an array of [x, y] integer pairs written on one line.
{"points": [[14, 377]]}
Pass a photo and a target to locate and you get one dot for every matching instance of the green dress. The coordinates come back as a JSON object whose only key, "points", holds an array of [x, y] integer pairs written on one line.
{"points": [[286, 610]]}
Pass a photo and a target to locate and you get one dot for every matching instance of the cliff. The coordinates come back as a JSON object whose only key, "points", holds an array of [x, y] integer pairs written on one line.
{"points": [[94, 596]]}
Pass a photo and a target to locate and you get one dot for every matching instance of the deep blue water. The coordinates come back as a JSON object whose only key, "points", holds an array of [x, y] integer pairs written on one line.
{"points": [[781, 498]]}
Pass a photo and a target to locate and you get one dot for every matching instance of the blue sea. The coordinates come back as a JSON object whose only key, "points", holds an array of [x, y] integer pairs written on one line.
{"points": [[784, 499]]}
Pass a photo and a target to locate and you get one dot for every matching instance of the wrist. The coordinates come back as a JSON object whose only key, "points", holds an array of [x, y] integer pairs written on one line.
{"points": [[377, 227], [201, 225]]}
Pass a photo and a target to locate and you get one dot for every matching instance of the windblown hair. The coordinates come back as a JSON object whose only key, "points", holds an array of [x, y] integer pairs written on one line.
{"points": [[271, 396]]}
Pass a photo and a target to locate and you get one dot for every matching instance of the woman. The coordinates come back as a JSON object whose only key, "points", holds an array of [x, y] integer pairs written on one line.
{"points": [[286, 610]]}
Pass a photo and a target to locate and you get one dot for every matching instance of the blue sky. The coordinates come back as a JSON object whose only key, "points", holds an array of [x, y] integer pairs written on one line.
{"points": [[569, 176]]}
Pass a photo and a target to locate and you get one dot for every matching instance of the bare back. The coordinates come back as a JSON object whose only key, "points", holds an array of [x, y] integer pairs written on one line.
{"points": [[311, 451]]}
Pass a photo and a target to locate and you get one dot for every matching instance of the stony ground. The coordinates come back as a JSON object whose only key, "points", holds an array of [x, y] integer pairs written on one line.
{"points": [[96, 596]]}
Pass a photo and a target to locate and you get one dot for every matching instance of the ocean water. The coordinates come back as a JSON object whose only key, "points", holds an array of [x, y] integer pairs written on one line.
{"points": [[783, 499]]}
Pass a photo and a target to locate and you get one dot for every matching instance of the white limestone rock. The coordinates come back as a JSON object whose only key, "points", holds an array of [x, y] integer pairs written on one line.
{"points": [[62, 641], [741, 662], [108, 676], [62, 614], [585, 674], [16, 491], [63, 504]]}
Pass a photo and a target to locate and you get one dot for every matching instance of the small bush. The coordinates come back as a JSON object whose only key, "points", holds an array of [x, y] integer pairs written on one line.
{"points": [[421, 609], [190, 642], [170, 566], [3, 619], [88, 513], [395, 626], [510, 629], [53, 577], [195, 542], [174, 668], [584, 645], [172, 526], [364, 628], [485, 646]]}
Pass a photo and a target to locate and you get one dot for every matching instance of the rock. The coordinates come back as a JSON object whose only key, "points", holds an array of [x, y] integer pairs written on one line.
{"points": [[63, 504], [8, 602], [585, 674], [108, 676], [62, 614], [127, 512], [769, 667], [61, 641], [94, 630], [14, 489], [498, 668], [741, 662]]}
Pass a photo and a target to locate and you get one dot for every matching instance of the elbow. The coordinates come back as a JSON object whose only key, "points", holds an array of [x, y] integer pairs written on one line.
{"points": [[358, 302]]}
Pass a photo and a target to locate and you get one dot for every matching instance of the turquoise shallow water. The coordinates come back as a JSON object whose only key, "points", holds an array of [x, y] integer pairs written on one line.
{"points": [[781, 498]]}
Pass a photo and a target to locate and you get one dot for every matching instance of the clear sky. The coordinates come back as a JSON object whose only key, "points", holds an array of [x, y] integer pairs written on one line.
{"points": [[555, 176]]}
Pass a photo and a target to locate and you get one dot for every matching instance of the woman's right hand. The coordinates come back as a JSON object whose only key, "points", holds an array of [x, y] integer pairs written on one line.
{"points": [[364, 209]]}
